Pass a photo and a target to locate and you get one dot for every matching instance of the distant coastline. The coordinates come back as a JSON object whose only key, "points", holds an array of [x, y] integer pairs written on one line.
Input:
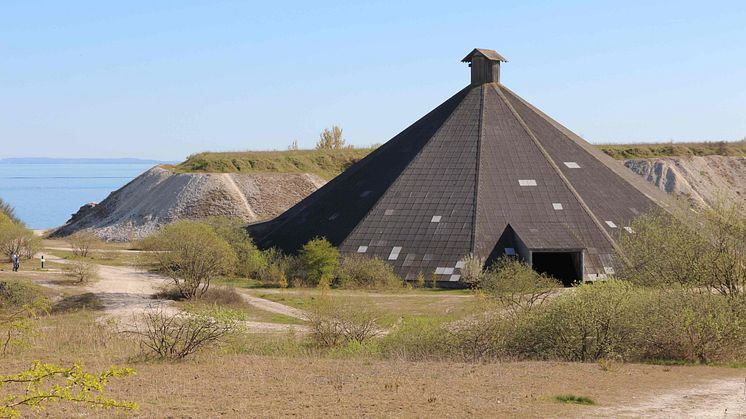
{"points": [[50, 160]]}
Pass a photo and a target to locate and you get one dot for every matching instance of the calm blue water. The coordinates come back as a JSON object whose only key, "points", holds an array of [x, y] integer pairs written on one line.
{"points": [[45, 195]]}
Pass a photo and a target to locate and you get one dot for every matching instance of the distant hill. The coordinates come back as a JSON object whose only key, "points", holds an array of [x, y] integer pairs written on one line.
{"points": [[49, 160]]}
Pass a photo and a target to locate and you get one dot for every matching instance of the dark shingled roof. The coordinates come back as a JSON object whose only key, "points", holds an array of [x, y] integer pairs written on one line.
{"points": [[489, 54], [484, 173]]}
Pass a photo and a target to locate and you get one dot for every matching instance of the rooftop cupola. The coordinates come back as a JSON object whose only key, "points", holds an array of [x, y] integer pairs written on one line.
{"points": [[485, 65]]}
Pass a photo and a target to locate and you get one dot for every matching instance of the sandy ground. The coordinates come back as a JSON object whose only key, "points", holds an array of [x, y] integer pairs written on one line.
{"points": [[719, 398]]}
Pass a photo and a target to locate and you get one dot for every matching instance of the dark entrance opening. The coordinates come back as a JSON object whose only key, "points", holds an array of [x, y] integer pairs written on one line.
{"points": [[564, 266]]}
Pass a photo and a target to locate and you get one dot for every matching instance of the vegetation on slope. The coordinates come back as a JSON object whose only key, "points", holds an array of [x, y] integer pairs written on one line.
{"points": [[328, 163], [645, 151], [325, 163]]}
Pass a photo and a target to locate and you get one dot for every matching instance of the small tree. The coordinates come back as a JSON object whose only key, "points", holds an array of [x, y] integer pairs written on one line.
{"points": [[191, 254], [82, 242], [320, 260], [331, 139]]}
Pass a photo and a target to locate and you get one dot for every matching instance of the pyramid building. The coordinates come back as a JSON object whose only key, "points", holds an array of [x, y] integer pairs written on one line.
{"points": [[484, 173]]}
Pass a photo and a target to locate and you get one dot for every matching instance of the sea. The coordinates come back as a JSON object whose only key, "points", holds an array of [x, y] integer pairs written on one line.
{"points": [[45, 195]]}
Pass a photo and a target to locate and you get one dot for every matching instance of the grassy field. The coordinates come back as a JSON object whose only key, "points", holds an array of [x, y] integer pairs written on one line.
{"points": [[389, 306], [324, 163]]}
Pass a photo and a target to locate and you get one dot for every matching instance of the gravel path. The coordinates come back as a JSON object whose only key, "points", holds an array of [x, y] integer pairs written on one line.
{"points": [[724, 398]]}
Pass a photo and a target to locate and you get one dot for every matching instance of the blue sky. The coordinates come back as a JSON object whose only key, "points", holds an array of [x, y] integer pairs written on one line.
{"points": [[163, 79]]}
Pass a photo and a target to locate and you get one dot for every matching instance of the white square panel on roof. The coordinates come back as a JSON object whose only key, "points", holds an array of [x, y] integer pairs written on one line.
{"points": [[527, 182], [439, 271], [611, 224], [362, 249], [557, 206], [394, 255], [435, 219], [572, 165], [629, 230], [459, 264], [447, 271], [454, 278], [389, 212]]}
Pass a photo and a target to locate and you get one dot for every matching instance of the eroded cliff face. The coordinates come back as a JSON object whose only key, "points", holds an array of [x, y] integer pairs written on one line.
{"points": [[701, 180], [159, 196]]}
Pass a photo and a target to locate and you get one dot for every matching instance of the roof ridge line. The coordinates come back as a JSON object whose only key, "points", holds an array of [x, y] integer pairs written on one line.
{"points": [[556, 168], [478, 164], [644, 188]]}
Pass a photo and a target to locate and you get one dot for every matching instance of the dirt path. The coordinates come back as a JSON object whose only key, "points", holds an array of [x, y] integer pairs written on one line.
{"points": [[724, 398], [125, 292], [273, 307]]}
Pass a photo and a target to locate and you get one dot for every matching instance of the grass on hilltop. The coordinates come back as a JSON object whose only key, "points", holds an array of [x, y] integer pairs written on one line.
{"points": [[645, 151], [330, 163], [324, 163]]}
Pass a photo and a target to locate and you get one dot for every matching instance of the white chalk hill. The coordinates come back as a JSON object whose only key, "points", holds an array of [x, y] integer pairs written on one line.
{"points": [[159, 196]]}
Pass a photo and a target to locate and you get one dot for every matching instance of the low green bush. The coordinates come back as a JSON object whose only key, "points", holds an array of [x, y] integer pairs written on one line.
{"points": [[516, 285], [363, 272], [320, 261]]}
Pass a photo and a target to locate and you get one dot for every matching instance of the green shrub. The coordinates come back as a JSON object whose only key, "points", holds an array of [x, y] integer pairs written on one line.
{"points": [[358, 271], [250, 261], [516, 285], [707, 250], [675, 325], [320, 261], [589, 323]]}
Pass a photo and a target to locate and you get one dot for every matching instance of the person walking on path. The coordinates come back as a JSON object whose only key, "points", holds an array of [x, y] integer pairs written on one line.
{"points": [[16, 262]]}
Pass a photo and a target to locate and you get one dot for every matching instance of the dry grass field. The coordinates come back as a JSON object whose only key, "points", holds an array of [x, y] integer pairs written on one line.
{"points": [[279, 374]]}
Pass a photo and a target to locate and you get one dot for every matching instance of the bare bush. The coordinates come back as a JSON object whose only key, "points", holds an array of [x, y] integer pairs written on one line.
{"points": [[81, 270], [471, 272], [176, 336], [333, 324], [83, 242]]}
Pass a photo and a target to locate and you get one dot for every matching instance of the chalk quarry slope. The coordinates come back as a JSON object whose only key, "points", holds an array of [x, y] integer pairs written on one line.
{"points": [[159, 196], [701, 180]]}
